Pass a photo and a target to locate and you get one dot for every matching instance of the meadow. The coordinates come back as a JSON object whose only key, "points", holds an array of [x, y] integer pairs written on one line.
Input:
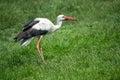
{"points": [[87, 49]]}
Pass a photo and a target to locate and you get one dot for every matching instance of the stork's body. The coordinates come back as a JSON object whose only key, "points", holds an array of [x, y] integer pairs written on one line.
{"points": [[39, 27]]}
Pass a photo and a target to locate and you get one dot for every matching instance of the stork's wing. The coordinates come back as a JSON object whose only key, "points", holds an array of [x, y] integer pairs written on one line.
{"points": [[29, 25]]}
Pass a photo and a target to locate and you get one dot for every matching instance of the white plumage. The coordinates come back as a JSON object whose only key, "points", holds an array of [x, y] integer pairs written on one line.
{"points": [[44, 24]]}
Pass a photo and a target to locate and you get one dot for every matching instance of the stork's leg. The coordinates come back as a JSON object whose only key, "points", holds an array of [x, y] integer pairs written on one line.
{"points": [[39, 48]]}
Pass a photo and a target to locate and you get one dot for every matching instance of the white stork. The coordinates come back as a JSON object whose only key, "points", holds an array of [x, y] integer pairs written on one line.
{"points": [[39, 27]]}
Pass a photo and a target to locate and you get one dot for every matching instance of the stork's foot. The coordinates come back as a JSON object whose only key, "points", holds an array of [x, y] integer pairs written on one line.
{"points": [[41, 54], [38, 62]]}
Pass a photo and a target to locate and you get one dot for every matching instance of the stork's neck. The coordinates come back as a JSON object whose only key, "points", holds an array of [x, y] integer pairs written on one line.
{"points": [[59, 24]]}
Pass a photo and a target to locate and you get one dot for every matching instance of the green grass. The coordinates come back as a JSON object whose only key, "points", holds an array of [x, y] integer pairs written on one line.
{"points": [[88, 49]]}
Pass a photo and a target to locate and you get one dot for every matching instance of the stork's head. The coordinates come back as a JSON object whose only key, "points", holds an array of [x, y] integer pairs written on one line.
{"points": [[62, 17]]}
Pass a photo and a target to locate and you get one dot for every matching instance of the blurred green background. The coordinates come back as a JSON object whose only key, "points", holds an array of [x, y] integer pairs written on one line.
{"points": [[88, 49]]}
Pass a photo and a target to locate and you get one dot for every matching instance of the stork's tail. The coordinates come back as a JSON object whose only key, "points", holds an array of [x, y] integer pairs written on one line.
{"points": [[26, 42]]}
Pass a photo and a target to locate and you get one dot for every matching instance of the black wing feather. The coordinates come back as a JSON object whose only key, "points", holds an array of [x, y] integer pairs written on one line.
{"points": [[30, 33], [29, 25]]}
